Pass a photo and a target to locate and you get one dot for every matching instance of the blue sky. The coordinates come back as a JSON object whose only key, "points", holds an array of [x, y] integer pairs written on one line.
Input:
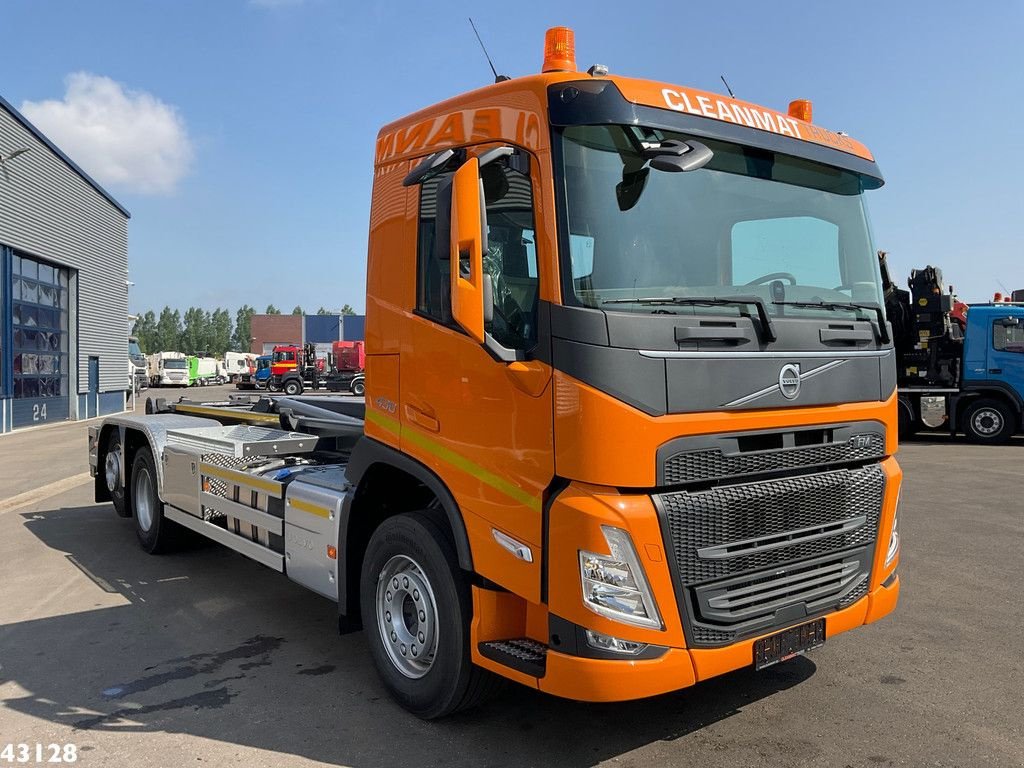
{"points": [[272, 107]]}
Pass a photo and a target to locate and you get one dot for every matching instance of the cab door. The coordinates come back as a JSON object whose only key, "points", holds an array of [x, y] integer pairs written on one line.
{"points": [[483, 424], [1006, 355]]}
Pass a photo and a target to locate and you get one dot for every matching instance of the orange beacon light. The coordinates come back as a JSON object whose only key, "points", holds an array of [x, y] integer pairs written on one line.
{"points": [[559, 50]]}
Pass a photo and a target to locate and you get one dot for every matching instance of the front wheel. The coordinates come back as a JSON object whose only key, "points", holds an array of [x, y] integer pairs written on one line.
{"points": [[293, 387], [989, 421], [155, 532], [416, 607], [359, 387]]}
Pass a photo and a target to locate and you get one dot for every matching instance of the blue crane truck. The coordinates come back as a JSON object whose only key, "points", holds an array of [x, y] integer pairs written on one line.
{"points": [[965, 375]]}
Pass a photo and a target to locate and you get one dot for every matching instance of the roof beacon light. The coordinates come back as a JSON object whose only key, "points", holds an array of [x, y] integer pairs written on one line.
{"points": [[559, 50], [801, 109]]}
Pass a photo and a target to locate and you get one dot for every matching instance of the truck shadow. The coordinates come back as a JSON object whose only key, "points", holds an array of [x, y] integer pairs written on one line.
{"points": [[208, 644], [944, 438]]}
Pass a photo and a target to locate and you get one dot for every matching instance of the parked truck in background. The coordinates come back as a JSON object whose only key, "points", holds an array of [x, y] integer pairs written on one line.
{"points": [[958, 368], [293, 368], [259, 376], [237, 364], [205, 371], [630, 418], [138, 369], [167, 369], [348, 368]]}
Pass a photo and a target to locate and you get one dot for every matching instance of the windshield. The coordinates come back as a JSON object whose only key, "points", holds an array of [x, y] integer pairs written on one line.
{"points": [[176, 364], [284, 357], [749, 223], [133, 349]]}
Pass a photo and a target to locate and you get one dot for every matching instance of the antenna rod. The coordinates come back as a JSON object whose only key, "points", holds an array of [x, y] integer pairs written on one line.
{"points": [[727, 86], [497, 77]]}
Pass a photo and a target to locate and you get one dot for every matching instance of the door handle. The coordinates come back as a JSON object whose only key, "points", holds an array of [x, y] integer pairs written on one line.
{"points": [[422, 419], [996, 371]]}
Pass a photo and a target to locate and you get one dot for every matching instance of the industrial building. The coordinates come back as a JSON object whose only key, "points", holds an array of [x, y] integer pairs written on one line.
{"points": [[63, 284], [270, 330]]}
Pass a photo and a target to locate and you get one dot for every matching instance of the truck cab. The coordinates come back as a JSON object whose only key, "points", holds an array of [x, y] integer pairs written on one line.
{"points": [[258, 374], [993, 370], [293, 368], [138, 376]]}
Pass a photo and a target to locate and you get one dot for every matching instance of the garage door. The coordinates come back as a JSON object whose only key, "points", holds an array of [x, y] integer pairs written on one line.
{"points": [[39, 349]]}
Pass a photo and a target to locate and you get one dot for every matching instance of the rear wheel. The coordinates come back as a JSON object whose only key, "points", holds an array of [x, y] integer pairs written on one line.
{"points": [[416, 609], [989, 421], [112, 474], [155, 532]]}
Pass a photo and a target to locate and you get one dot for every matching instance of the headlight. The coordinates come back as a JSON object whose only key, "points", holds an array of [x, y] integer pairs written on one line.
{"points": [[894, 535], [614, 585]]}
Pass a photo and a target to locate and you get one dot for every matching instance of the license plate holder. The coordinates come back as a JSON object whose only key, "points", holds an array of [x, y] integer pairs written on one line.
{"points": [[788, 643]]}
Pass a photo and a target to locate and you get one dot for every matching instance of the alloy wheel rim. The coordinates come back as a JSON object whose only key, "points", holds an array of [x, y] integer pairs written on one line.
{"points": [[407, 616], [144, 499], [112, 471], [987, 422]]}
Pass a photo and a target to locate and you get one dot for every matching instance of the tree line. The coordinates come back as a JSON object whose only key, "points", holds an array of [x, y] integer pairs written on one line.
{"points": [[202, 331]]}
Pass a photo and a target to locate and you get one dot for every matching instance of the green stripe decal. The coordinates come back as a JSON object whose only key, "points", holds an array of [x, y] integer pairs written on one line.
{"points": [[456, 460]]}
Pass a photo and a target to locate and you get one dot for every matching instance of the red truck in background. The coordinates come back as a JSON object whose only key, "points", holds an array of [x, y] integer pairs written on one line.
{"points": [[348, 370], [293, 367]]}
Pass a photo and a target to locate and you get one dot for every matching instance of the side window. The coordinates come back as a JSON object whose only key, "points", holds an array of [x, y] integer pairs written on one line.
{"points": [[510, 260], [433, 263], [1008, 338]]}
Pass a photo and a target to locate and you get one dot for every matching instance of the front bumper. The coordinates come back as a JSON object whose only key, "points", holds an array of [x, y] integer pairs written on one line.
{"points": [[576, 517], [584, 679]]}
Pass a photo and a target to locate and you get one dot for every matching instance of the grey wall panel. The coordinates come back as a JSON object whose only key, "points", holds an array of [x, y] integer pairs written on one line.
{"points": [[51, 212]]}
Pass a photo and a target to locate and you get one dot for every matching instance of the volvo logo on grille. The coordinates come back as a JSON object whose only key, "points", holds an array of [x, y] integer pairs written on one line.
{"points": [[789, 381]]}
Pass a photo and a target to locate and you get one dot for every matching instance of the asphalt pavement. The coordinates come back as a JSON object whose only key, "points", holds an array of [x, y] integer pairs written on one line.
{"points": [[203, 657]]}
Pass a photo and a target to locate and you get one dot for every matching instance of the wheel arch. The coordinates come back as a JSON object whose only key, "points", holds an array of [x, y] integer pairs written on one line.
{"points": [[386, 482]]}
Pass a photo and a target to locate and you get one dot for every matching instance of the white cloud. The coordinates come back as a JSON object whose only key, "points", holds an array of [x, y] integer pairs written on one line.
{"points": [[128, 140]]}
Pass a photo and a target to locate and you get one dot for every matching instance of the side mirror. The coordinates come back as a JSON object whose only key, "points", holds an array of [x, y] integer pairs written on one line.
{"points": [[468, 243]]}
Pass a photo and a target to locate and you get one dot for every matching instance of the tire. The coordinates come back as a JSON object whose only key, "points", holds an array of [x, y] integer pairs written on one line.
{"points": [[908, 425], [359, 387], [989, 422], [272, 387], [293, 387], [155, 532], [433, 595], [112, 473]]}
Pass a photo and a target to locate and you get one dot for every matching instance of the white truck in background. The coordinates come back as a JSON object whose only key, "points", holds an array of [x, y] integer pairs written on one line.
{"points": [[236, 364], [167, 369], [138, 373]]}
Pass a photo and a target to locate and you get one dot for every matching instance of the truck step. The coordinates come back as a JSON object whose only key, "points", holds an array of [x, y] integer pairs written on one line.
{"points": [[520, 653]]}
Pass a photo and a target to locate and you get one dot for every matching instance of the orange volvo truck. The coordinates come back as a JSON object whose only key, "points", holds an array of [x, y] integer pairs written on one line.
{"points": [[630, 413]]}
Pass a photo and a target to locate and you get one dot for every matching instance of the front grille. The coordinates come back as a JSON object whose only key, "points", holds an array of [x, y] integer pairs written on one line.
{"points": [[713, 464], [760, 554], [758, 596]]}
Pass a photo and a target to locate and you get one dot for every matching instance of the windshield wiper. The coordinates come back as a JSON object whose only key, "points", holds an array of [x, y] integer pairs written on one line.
{"points": [[883, 328], [767, 329]]}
